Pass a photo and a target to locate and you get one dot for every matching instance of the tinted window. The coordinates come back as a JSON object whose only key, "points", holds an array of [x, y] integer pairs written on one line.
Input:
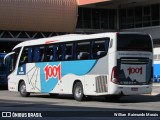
{"points": [[60, 52], [32, 54], [69, 51], [134, 42], [24, 57], [38, 54], [27, 55], [83, 50], [99, 48], [1, 60], [49, 53], [41, 53], [2, 69]]}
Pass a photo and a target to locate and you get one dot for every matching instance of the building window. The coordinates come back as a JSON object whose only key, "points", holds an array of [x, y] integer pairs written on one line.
{"points": [[112, 19], [123, 16], [130, 18], [155, 15], [87, 18], [104, 22], [146, 16], [96, 18], [93, 18], [80, 18], [140, 16]]}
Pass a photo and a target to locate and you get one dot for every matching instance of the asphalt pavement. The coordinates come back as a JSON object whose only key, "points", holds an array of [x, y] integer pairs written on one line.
{"points": [[66, 108]]}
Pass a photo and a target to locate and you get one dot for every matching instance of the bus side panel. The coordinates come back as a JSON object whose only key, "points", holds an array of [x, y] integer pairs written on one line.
{"points": [[90, 85], [13, 82], [30, 74], [157, 72], [101, 67], [73, 71], [96, 84], [65, 85], [33, 77], [112, 63], [57, 77], [96, 81]]}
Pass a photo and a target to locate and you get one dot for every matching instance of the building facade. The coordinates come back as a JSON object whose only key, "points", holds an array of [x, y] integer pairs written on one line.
{"points": [[29, 19], [121, 15]]}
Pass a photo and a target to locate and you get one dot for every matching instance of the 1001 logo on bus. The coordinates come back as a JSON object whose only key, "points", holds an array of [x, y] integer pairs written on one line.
{"points": [[52, 71], [135, 70]]}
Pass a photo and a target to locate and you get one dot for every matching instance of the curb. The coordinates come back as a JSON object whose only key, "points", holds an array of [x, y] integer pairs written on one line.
{"points": [[155, 94], [152, 94], [156, 85]]}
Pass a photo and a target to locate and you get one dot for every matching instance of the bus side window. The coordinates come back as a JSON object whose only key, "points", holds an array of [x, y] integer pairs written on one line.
{"points": [[30, 54], [69, 51], [41, 54], [24, 57], [50, 53], [99, 48], [36, 55], [83, 50], [60, 52]]}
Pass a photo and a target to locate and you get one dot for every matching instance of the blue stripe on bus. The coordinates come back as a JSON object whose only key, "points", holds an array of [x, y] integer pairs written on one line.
{"points": [[67, 67]]}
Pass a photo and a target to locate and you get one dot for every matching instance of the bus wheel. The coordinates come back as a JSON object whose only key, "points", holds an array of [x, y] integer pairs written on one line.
{"points": [[22, 90], [78, 92]]}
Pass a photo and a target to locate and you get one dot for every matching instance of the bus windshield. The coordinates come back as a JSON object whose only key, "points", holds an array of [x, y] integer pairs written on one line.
{"points": [[3, 68], [2, 58], [134, 42]]}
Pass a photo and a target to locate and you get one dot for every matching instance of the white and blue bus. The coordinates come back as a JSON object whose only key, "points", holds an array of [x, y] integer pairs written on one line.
{"points": [[101, 64], [156, 62], [3, 71]]}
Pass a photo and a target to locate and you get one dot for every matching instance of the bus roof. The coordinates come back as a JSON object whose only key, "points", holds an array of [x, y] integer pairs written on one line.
{"points": [[62, 38], [69, 37]]}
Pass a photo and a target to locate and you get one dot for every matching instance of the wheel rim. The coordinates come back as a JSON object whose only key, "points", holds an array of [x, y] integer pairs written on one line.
{"points": [[78, 91], [23, 89]]}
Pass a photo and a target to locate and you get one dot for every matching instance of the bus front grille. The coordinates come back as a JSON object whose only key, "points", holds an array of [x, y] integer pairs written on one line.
{"points": [[101, 84]]}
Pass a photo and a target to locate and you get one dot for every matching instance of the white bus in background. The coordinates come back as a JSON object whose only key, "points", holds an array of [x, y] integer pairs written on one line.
{"points": [[156, 52], [105, 64]]}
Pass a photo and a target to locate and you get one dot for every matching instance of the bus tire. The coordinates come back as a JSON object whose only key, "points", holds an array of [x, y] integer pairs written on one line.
{"points": [[78, 92], [22, 90]]}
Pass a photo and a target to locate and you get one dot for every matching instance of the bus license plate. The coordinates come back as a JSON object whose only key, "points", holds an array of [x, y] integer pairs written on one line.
{"points": [[134, 89]]}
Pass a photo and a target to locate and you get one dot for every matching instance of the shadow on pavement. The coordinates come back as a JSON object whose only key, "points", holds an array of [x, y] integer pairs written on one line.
{"points": [[52, 110], [123, 99], [3, 87]]}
